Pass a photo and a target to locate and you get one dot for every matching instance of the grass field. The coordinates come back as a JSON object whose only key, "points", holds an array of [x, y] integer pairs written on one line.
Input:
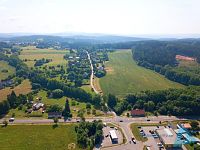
{"points": [[124, 76], [30, 53], [37, 137], [23, 88], [4, 65]]}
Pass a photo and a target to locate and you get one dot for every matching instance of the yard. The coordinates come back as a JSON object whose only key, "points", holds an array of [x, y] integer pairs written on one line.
{"points": [[124, 76], [74, 105], [37, 137]]}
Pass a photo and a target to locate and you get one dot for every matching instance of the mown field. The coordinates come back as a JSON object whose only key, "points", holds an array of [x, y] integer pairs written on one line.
{"points": [[23, 88], [30, 53], [37, 137], [124, 76], [4, 66]]}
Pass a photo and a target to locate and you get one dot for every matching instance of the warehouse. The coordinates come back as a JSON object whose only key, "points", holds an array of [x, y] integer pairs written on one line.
{"points": [[113, 136]]}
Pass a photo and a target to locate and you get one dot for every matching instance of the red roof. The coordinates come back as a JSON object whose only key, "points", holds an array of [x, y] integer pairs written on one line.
{"points": [[137, 112]]}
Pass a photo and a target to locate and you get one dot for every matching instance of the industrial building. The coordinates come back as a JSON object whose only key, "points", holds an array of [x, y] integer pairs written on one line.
{"points": [[113, 136], [169, 138]]}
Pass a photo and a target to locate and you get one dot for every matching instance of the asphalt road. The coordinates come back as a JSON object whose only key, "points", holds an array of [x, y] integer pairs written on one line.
{"points": [[122, 122], [92, 74]]}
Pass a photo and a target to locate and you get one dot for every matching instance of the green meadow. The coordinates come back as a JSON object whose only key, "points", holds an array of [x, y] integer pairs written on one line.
{"points": [[124, 76]]}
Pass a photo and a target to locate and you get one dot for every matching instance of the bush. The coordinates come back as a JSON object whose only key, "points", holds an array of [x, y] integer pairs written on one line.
{"points": [[57, 93]]}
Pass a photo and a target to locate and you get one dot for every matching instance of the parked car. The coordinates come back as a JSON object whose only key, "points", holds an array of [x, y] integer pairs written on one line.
{"points": [[160, 145], [11, 119], [154, 135], [148, 147], [133, 139]]}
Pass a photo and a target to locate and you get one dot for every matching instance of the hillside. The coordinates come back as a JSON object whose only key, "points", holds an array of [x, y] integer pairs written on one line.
{"points": [[124, 76]]}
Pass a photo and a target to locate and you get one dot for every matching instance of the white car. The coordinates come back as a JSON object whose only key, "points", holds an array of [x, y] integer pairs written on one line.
{"points": [[160, 145], [11, 119]]}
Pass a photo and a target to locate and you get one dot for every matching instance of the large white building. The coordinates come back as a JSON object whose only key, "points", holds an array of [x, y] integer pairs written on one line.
{"points": [[113, 136]]}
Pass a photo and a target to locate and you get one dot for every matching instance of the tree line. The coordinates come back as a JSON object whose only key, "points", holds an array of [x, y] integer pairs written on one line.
{"points": [[160, 56], [89, 134], [176, 102], [41, 81]]}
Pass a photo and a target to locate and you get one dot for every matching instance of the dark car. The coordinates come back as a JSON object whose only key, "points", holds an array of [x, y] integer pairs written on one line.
{"points": [[121, 121], [133, 139]]}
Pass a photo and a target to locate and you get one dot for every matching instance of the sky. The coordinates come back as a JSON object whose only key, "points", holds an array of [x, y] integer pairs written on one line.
{"points": [[122, 17]]}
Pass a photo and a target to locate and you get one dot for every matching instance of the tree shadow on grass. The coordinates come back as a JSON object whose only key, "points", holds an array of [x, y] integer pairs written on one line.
{"points": [[54, 126]]}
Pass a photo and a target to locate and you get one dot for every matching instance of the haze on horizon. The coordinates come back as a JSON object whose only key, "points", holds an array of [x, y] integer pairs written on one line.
{"points": [[124, 17]]}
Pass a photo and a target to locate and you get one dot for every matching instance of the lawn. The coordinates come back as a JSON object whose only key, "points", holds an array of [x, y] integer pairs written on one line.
{"points": [[4, 66], [124, 76], [23, 88], [30, 53], [37, 137]]}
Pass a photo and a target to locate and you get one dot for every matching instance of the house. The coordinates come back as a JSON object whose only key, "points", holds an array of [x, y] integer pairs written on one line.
{"points": [[100, 68], [37, 106], [113, 136], [137, 113], [54, 115]]}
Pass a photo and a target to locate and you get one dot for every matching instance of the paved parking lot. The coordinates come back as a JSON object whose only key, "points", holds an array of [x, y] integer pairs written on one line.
{"points": [[107, 140], [152, 142]]}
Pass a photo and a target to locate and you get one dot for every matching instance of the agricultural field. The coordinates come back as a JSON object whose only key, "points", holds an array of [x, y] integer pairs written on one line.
{"points": [[124, 76], [5, 70], [38, 137], [31, 53], [23, 88]]}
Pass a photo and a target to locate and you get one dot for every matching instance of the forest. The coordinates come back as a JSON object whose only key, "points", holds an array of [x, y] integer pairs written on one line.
{"points": [[178, 102], [160, 56]]}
